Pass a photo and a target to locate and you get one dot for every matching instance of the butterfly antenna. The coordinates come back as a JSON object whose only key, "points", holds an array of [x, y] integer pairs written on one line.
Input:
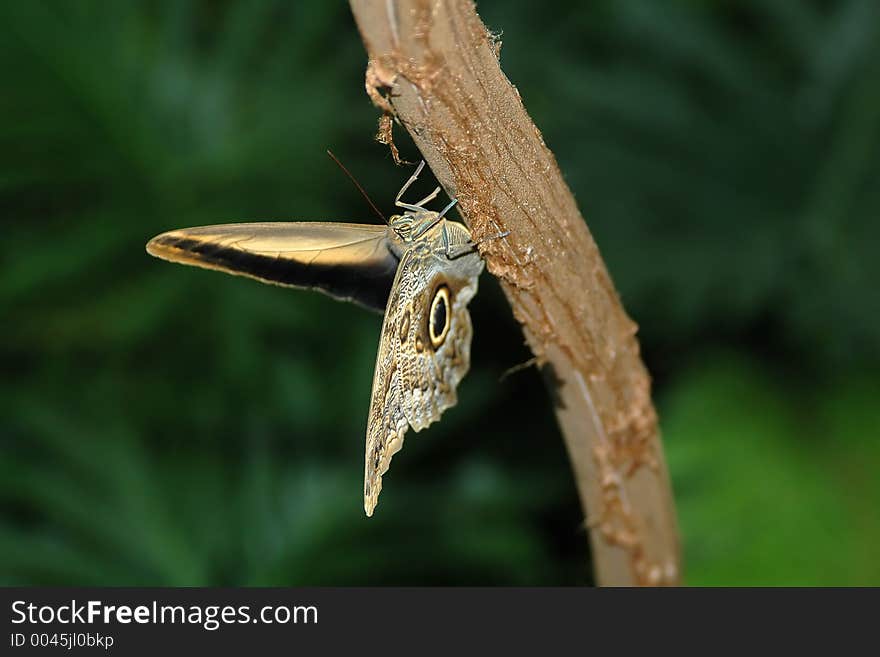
{"points": [[358, 185]]}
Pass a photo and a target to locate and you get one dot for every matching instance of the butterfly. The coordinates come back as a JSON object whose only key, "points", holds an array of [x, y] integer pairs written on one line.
{"points": [[420, 268]]}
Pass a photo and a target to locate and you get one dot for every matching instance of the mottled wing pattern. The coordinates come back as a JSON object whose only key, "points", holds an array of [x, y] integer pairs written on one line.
{"points": [[351, 262], [416, 373]]}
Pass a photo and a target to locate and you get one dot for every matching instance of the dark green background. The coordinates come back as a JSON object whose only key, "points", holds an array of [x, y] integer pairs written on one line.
{"points": [[163, 425]]}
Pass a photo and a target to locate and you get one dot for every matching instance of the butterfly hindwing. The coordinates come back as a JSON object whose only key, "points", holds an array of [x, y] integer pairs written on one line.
{"points": [[424, 351]]}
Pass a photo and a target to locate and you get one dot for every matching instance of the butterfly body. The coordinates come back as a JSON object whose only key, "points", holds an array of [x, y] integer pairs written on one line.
{"points": [[421, 269]]}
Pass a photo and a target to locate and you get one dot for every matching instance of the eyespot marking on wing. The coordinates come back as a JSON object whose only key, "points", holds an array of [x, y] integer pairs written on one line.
{"points": [[439, 318]]}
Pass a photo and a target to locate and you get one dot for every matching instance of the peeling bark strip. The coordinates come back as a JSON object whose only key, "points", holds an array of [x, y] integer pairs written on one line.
{"points": [[434, 66]]}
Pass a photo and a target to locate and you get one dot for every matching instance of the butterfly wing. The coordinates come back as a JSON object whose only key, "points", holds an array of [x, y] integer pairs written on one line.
{"points": [[424, 351], [351, 262]]}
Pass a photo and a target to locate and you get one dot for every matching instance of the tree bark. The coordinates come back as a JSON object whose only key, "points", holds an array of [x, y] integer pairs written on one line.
{"points": [[434, 67]]}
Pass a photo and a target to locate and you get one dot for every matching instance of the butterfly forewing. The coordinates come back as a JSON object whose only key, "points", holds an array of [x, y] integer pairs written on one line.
{"points": [[353, 262]]}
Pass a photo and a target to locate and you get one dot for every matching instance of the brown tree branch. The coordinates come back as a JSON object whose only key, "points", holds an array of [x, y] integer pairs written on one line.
{"points": [[434, 67]]}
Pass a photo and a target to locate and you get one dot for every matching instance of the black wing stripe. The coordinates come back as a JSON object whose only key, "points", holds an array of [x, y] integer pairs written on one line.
{"points": [[367, 282]]}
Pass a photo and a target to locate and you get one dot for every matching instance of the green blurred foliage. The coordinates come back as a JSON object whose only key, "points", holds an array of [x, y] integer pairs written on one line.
{"points": [[165, 425]]}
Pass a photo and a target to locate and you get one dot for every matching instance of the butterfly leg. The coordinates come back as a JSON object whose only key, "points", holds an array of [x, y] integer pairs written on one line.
{"points": [[409, 182], [419, 204], [410, 207], [499, 236], [429, 197], [417, 207], [422, 229], [453, 252]]}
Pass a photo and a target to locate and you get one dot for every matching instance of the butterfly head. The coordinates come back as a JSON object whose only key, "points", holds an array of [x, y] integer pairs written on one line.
{"points": [[412, 225]]}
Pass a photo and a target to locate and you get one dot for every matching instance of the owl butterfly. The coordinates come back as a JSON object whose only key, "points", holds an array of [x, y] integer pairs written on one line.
{"points": [[420, 268]]}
